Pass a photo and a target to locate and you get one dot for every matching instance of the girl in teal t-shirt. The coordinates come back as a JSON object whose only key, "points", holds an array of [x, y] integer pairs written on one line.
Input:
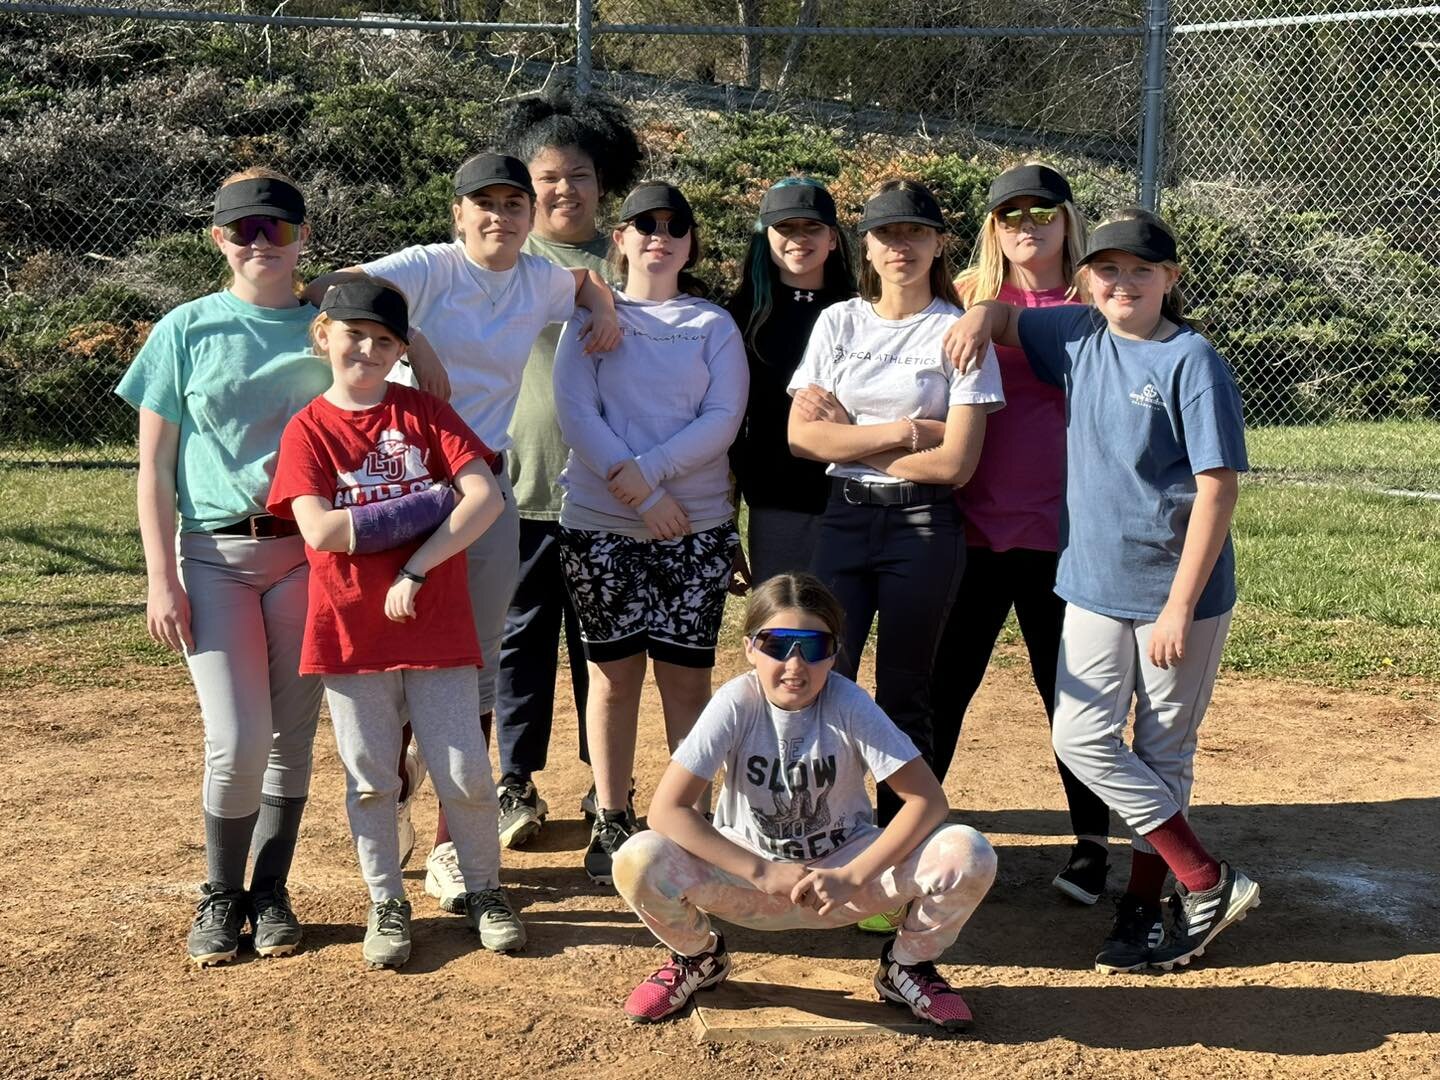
{"points": [[214, 385]]}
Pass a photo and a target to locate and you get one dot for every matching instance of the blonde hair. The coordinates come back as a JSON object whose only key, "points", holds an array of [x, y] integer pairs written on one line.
{"points": [[260, 172], [981, 280], [940, 283], [1173, 306]]}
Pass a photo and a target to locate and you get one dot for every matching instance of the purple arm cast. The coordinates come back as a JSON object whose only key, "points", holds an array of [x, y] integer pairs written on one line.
{"points": [[384, 525]]}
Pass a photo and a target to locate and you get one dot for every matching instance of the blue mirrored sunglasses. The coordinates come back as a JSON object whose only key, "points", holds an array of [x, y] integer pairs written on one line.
{"points": [[813, 645]]}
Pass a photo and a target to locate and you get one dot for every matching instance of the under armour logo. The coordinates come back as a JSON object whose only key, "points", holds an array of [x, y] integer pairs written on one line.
{"points": [[808, 297]]}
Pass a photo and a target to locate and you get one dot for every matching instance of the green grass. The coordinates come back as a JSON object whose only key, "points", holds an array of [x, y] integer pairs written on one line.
{"points": [[1392, 454], [1337, 586]]}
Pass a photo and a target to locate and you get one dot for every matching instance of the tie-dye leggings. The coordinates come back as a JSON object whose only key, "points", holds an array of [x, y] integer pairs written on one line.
{"points": [[674, 892]]}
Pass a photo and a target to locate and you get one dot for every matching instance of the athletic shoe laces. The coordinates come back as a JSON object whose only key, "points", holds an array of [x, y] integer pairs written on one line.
{"points": [[390, 918], [612, 833], [673, 973], [273, 904], [216, 909], [492, 902]]}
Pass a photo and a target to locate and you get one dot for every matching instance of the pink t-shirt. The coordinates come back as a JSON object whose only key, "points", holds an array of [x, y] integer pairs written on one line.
{"points": [[1014, 498]]}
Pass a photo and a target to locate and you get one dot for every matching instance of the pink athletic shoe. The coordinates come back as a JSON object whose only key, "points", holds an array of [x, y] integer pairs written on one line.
{"points": [[922, 990], [670, 989]]}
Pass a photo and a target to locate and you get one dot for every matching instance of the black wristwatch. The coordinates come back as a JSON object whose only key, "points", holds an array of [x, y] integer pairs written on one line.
{"points": [[419, 579]]}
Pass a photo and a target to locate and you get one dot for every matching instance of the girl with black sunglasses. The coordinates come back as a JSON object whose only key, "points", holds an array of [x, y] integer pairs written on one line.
{"points": [[647, 524], [794, 844]]}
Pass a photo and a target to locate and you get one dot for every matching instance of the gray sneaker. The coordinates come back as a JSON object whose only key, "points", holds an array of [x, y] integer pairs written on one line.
{"points": [[522, 812], [387, 934], [215, 934], [277, 930], [491, 915]]}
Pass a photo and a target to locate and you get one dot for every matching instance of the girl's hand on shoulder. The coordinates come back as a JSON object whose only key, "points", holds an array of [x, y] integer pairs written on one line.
{"points": [[400, 600], [828, 888], [967, 339], [628, 484], [667, 519], [1167, 639], [601, 332], [167, 616], [429, 371], [817, 403], [781, 878]]}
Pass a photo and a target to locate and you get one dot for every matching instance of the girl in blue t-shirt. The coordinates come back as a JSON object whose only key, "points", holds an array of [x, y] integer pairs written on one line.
{"points": [[215, 384], [1154, 443], [794, 844]]}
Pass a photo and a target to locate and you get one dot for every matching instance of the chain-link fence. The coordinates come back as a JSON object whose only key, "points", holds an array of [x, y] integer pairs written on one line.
{"points": [[1299, 160]]}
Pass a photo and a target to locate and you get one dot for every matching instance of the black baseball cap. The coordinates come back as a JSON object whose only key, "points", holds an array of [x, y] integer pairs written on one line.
{"points": [[1036, 181], [1144, 239], [792, 201], [264, 196], [369, 300], [488, 170], [908, 204], [656, 195]]}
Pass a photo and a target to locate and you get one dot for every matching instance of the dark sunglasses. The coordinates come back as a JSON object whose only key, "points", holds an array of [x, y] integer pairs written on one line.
{"points": [[648, 225], [813, 645], [243, 232], [1011, 217]]}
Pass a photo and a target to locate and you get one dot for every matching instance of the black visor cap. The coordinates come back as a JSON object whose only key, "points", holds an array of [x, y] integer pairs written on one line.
{"points": [[490, 170], [1143, 239], [1036, 181], [657, 196], [797, 201], [263, 196], [371, 301], [902, 205]]}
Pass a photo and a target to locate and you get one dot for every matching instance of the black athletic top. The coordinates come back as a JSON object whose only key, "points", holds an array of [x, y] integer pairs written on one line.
{"points": [[769, 475]]}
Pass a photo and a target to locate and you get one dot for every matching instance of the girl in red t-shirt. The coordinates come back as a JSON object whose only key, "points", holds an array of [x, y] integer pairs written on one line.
{"points": [[367, 469]]}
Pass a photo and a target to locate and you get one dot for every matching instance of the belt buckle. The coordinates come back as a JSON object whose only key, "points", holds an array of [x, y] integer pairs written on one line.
{"points": [[254, 533], [853, 485]]}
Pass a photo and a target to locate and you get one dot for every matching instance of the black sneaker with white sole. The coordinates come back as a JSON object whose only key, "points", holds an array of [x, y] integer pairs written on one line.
{"points": [[1200, 916], [522, 811], [1083, 877], [277, 930], [611, 829], [214, 936], [1138, 930], [588, 804]]}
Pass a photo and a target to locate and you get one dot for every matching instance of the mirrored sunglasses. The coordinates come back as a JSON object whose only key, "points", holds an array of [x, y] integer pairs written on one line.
{"points": [[648, 225], [279, 233], [813, 645], [1011, 217]]}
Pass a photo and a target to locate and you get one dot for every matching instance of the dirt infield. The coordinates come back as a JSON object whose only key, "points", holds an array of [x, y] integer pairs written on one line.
{"points": [[1329, 799]]}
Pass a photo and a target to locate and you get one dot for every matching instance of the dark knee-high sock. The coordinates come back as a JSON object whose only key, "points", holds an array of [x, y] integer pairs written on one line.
{"points": [[1194, 867], [1148, 872], [274, 845], [227, 845]]}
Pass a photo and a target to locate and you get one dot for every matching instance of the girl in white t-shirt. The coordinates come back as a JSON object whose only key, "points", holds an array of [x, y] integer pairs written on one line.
{"points": [[480, 302], [900, 427], [794, 844]]}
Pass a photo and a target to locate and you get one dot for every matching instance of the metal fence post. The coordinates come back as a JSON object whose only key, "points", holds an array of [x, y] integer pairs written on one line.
{"points": [[1152, 131], [584, 22]]}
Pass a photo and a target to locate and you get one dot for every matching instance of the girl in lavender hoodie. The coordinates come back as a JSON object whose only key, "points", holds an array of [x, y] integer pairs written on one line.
{"points": [[647, 526]]}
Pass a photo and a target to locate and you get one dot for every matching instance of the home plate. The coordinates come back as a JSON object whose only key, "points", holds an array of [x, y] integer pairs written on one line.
{"points": [[786, 999]]}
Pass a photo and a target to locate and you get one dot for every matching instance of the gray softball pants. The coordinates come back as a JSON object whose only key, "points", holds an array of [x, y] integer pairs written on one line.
{"points": [[367, 713], [247, 617], [1104, 665], [493, 565]]}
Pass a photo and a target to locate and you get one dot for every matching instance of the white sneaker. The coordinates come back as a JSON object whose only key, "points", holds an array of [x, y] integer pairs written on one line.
{"points": [[404, 827], [443, 879]]}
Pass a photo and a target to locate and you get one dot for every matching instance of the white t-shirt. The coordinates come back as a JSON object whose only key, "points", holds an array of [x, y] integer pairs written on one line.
{"points": [[794, 785], [883, 369], [481, 322]]}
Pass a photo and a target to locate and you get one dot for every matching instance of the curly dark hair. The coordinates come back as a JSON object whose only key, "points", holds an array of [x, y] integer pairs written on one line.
{"points": [[595, 124]]}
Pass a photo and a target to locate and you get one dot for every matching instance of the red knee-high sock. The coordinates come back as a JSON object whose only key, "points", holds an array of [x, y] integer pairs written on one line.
{"points": [[1193, 866], [1148, 872]]}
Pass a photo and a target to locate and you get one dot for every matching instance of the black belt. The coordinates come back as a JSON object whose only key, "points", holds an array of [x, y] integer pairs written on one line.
{"points": [[858, 493], [260, 527]]}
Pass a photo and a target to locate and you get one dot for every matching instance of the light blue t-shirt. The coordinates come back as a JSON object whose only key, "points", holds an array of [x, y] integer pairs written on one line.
{"points": [[230, 375], [1143, 417]]}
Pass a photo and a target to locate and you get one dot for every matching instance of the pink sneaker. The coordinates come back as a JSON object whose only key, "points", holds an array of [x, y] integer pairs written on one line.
{"points": [[922, 990], [671, 988]]}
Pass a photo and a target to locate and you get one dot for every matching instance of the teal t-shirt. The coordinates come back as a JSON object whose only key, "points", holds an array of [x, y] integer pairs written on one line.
{"points": [[230, 375], [537, 451]]}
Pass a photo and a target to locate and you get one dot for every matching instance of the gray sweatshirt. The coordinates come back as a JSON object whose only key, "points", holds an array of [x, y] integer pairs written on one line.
{"points": [[671, 396]]}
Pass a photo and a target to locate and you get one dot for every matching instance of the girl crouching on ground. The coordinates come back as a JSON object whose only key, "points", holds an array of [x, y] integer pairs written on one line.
{"points": [[363, 470], [794, 844]]}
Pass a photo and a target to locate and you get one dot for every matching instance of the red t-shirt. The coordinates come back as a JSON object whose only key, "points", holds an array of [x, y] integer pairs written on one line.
{"points": [[407, 443], [1014, 498]]}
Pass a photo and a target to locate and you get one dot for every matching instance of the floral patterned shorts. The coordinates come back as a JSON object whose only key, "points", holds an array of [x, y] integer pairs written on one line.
{"points": [[664, 597]]}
